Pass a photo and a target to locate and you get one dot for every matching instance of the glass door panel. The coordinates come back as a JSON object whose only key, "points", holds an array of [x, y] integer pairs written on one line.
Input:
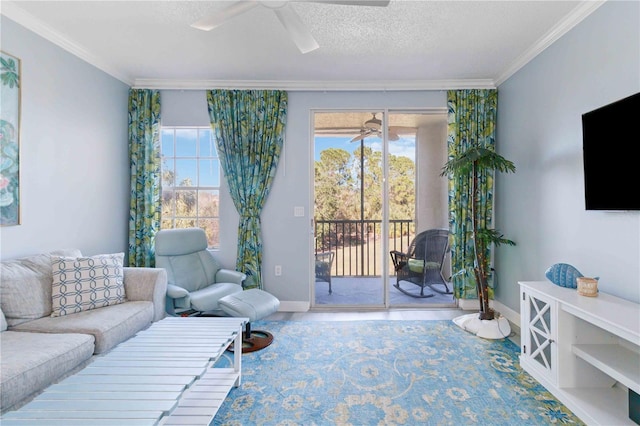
{"points": [[417, 201], [348, 187]]}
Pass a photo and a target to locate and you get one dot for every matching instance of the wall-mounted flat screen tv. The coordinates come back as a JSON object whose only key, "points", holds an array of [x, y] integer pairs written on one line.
{"points": [[610, 142]]}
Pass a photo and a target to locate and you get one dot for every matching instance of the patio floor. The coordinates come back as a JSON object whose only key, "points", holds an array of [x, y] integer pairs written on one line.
{"points": [[368, 291]]}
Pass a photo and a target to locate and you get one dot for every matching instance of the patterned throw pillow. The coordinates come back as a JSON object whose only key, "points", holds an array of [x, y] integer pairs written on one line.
{"points": [[85, 283]]}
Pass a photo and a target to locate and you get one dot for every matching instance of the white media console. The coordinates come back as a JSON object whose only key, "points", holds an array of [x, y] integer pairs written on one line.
{"points": [[584, 350]]}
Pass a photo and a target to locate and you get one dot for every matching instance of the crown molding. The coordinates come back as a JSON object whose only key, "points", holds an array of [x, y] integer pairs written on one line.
{"points": [[19, 15], [580, 12], [572, 19], [321, 86]]}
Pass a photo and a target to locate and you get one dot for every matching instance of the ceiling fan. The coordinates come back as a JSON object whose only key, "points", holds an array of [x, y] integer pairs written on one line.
{"points": [[285, 13], [373, 127]]}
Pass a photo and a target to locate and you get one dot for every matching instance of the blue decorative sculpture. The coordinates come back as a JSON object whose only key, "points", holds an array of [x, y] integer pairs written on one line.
{"points": [[563, 274]]}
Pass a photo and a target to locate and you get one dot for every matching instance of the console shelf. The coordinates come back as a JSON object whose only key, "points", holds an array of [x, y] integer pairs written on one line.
{"points": [[584, 350], [616, 361]]}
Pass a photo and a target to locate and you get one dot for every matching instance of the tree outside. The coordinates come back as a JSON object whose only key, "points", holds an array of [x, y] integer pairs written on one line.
{"points": [[354, 210], [337, 185], [190, 182]]}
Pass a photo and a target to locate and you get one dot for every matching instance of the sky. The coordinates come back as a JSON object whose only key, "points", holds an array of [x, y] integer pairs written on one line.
{"points": [[403, 147], [194, 142], [191, 143]]}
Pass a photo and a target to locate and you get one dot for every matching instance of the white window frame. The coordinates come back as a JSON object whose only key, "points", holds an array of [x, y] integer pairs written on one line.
{"points": [[172, 158]]}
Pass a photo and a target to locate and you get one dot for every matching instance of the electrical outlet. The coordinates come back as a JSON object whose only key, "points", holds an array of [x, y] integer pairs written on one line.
{"points": [[278, 270]]}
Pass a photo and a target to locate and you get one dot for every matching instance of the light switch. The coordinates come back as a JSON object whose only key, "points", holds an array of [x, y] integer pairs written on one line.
{"points": [[298, 211]]}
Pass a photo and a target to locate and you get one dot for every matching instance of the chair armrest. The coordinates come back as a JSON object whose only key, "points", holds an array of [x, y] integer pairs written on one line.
{"points": [[230, 276], [175, 292], [399, 259], [147, 284], [177, 297], [325, 256]]}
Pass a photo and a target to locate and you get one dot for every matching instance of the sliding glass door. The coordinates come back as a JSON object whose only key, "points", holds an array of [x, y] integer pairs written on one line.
{"points": [[366, 201]]}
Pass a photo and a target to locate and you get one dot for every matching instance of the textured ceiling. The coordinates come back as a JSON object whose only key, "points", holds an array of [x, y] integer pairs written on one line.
{"points": [[404, 43]]}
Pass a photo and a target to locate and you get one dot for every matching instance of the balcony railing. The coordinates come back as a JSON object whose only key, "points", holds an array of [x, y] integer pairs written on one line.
{"points": [[357, 244]]}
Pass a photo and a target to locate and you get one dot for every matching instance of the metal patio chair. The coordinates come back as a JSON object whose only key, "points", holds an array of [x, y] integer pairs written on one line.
{"points": [[324, 261]]}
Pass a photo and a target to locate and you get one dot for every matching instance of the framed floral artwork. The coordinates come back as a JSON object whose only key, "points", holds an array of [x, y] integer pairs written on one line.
{"points": [[9, 139]]}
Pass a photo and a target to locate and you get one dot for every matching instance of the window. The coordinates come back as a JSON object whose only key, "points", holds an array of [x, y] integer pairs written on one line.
{"points": [[190, 181]]}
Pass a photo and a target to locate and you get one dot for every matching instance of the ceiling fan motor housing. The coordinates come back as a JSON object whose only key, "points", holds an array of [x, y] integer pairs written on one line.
{"points": [[373, 123]]}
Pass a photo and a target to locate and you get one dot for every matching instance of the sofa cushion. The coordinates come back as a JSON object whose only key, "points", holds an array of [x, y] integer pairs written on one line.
{"points": [[31, 361], [109, 325], [85, 283], [25, 285]]}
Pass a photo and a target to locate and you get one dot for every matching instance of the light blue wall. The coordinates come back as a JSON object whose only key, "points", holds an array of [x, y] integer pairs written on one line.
{"points": [[287, 239], [541, 207], [74, 163]]}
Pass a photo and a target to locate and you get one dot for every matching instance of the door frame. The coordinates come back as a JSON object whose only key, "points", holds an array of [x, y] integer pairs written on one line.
{"points": [[385, 111]]}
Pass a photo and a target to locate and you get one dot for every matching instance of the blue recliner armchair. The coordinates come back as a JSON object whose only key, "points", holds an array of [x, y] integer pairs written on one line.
{"points": [[198, 285], [196, 281]]}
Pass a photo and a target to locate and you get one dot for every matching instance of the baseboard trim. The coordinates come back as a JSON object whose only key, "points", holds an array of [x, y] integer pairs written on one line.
{"points": [[468, 304], [464, 304], [508, 313], [293, 306]]}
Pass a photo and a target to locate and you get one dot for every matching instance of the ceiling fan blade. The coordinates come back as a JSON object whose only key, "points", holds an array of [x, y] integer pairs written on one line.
{"points": [[393, 136], [379, 3], [223, 15], [360, 137], [297, 29]]}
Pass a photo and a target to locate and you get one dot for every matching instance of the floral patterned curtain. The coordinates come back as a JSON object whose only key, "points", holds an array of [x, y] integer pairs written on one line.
{"points": [[249, 128], [145, 162], [471, 122]]}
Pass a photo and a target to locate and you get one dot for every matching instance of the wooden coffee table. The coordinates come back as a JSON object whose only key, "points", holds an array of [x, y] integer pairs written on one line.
{"points": [[162, 376]]}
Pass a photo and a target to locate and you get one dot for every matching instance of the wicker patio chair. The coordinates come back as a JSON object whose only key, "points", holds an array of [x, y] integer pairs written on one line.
{"points": [[422, 263]]}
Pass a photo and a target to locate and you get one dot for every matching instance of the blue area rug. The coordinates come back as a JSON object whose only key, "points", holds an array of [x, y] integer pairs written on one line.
{"points": [[385, 373]]}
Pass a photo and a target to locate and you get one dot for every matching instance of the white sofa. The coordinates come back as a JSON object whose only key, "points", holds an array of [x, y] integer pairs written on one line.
{"points": [[37, 349]]}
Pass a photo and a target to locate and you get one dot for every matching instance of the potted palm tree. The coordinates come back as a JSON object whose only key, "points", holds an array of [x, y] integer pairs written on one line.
{"points": [[471, 163]]}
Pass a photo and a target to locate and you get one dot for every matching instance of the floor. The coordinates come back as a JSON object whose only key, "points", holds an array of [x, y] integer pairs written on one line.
{"points": [[359, 291], [391, 314]]}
